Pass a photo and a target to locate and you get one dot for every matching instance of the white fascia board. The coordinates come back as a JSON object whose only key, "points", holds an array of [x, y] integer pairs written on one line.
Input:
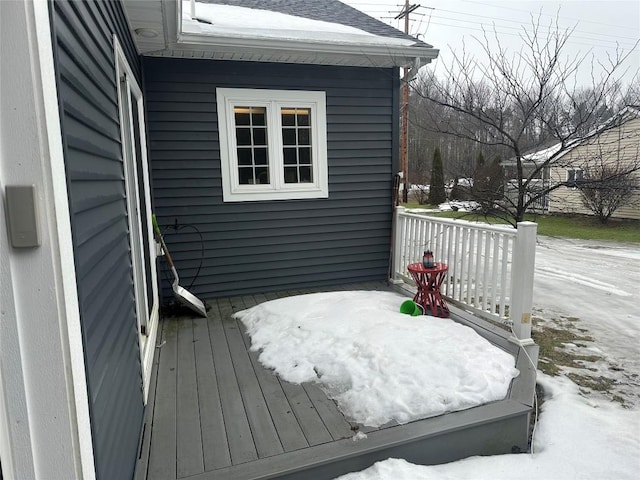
{"points": [[380, 55]]}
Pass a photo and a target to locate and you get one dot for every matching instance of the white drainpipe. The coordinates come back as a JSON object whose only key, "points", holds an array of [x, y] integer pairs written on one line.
{"points": [[193, 9], [413, 71]]}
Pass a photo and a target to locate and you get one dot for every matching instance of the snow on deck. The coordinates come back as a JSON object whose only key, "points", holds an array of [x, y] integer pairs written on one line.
{"points": [[378, 365]]}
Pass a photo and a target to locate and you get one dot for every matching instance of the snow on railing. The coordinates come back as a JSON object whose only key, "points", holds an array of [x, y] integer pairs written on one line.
{"points": [[490, 266]]}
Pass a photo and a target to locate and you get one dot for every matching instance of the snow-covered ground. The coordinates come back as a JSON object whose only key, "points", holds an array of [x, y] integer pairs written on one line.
{"points": [[577, 438], [590, 287], [597, 285]]}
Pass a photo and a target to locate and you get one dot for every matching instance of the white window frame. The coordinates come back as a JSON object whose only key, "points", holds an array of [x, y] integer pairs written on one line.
{"points": [[576, 173], [141, 242], [273, 100]]}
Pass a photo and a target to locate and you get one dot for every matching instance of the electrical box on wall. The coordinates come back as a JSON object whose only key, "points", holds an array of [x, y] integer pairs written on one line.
{"points": [[22, 216]]}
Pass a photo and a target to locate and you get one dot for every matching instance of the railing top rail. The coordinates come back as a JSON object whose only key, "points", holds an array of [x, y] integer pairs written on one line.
{"points": [[504, 229]]}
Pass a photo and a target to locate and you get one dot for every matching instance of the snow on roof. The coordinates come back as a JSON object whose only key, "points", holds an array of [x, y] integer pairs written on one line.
{"points": [[240, 22], [542, 155]]}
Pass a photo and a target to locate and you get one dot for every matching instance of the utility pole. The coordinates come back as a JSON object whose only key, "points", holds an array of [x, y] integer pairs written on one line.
{"points": [[404, 112]]}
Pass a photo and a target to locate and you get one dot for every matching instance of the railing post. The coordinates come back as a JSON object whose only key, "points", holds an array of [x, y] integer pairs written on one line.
{"points": [[398, 228], [522, 269]]}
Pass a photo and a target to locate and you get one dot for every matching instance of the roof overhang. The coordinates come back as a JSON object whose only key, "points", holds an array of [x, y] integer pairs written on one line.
{"points": [[163, 18]]}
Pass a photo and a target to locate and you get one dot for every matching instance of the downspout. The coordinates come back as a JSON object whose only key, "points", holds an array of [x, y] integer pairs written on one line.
{"points": [[412, 71], [409, 74], [193, 9]]}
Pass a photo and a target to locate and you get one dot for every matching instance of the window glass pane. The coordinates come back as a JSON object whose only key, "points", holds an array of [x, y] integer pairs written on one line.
{"points": [[251, 138], [304, 155], [290, 156], [242, 115], [291, 174], [289, 136], [305, 175], [258, 117], [245, 175], [259, 136], [260, 156], [296, 138], [303, 136], [303, 117], [243, 136], [244, 156], [262, 175], [288, 117]]}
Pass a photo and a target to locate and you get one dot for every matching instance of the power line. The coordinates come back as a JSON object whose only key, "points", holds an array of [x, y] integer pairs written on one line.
{"points": [[480, 29], [542, 29], [502, 7], [519, 22]]}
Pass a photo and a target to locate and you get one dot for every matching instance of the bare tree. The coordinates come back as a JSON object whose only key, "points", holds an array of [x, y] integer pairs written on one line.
{"points": [[607, 178], [605, 188], [513, 104], [419, 188]]}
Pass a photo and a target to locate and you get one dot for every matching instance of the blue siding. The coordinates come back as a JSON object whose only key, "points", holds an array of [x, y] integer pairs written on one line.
{"points": [[272, 245], [84, 60]]}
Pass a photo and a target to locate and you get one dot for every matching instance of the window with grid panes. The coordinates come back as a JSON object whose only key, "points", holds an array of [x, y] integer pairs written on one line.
{"points": [[272, 144]]}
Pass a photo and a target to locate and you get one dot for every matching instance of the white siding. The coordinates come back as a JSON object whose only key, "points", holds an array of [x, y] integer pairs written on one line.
{"points": [[621, 144]]}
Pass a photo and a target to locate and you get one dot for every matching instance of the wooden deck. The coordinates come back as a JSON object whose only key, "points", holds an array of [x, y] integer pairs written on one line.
{"points": [[215, 413]]}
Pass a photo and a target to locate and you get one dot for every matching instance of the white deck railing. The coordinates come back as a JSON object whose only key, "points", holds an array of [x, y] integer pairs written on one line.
{"points": [[490, 266]]}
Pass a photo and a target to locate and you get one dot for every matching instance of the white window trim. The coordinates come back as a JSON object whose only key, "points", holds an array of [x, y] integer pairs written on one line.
{"points": [[232, 191], [147, 315]]}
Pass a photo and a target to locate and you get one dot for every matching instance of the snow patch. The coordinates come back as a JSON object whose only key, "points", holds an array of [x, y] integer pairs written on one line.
{"points": [[241, 22], [577, 438], [376, 363]]}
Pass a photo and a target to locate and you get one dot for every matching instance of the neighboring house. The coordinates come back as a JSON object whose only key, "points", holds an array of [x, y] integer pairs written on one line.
{"points": [[532, 166], [111, 109], [616, 143]]}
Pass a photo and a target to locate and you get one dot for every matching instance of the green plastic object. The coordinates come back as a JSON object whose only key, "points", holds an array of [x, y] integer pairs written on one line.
{"points": [[409, 307]]}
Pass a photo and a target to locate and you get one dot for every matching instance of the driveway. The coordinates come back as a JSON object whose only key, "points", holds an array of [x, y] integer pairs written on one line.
{"points": [[597, 286]]}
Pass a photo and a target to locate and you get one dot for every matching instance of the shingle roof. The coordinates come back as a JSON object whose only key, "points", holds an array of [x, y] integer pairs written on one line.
{"points": [[332, 11]]}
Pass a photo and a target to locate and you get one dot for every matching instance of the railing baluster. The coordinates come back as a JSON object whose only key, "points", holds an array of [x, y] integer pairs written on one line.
{"points": [[479, 276], [456, 255], [472, 240], [503, 278], [494, 272], [488, 237], [478, 261]]}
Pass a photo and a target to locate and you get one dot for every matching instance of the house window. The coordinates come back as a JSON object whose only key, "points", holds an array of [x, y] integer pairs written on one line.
{"points": [[574, 175], [273, 144]]}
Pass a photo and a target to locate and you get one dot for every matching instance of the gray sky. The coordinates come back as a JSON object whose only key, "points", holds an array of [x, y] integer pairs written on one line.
{"points": [[599, 25]]}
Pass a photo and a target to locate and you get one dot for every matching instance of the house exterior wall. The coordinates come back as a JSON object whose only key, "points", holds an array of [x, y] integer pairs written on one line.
{"points": [[272, 245], [621, 144], [86, 83]]}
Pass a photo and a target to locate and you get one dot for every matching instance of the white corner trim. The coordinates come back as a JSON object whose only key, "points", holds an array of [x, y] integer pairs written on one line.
{"points": [[46, 429], [69, 306]]}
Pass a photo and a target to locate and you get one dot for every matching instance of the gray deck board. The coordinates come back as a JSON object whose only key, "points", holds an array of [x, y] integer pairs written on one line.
{"points": [[240, 441], [335, 422], [189, 459], [264, 432], [216, 413], [310, 422], [162, 455], [289, 431], [214, 437]]}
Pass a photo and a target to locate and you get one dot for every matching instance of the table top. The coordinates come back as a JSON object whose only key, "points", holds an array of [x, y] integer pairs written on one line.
{"points": [[419, 268]]}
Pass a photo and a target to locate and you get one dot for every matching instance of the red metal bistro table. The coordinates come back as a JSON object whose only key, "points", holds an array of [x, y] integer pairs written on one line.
{"points": [[428, 281]]}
